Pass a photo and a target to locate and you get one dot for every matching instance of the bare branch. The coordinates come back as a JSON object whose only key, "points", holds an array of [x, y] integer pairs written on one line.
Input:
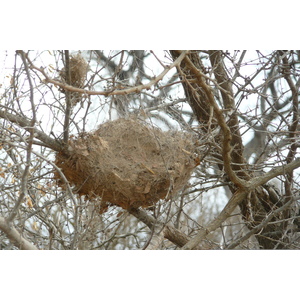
{"points": [[227, 136], [230, 97], [124, 91], [68, 99], [26, 124], [260, 226], [23, 190], [236, 199], [14, 236], [275, 172], [169, 232]]}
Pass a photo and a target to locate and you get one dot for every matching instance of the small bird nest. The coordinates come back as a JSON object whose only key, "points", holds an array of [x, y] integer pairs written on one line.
{"points": [[127, 163], [78, 72]]}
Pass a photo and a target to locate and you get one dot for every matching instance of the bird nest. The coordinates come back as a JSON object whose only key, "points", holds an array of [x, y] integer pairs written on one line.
{"points": [[127, 163], [78, 68]]}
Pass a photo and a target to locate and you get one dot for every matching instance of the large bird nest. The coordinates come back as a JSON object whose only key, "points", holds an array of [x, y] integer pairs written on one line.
{"points": [[127, 163]]}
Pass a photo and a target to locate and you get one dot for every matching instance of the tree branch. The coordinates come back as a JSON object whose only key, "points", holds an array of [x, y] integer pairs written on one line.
{"points": [[23, 190], [26, 124], [227, 136], [168, 231], [68, 98], [259, 227], [281, 170], [236, 199], [293, 126], [14, 236], [135, 89]]}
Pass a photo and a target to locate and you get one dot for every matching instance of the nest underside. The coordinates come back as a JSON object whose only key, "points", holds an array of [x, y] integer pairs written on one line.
{"points": [[127, 163]]}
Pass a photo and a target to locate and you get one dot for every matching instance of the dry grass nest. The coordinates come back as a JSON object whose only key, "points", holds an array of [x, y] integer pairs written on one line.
{"points": [[127, 163], [78, 72]]}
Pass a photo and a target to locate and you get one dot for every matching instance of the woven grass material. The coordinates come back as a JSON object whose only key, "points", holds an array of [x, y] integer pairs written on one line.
{"points": [[78, 72], [128, 163]]}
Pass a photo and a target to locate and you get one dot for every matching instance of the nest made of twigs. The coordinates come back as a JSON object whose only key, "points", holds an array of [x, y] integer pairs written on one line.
{"points": [[127, 163]]}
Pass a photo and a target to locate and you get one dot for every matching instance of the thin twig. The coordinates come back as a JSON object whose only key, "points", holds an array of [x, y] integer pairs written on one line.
{"points": [[236, 199], [135, 89], [23, 190], [68, 98], [259, 227], [26, 124]]}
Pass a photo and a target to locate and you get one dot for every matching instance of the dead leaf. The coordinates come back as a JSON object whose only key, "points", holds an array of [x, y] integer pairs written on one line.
{"points": [[29, 202], [147, 188]]}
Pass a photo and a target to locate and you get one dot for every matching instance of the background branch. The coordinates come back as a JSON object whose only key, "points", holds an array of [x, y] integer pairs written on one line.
{"points": [[14, 236], [68, 99], [23, 191], [26, 124]]}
